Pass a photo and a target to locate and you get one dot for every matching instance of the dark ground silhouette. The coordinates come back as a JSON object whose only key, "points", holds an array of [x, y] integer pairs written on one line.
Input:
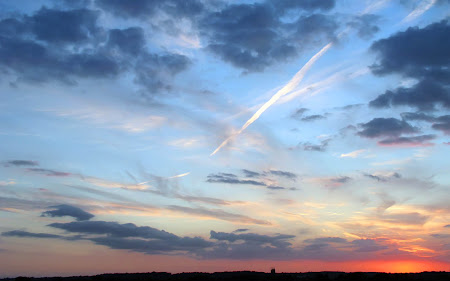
{"points": [[250, 276]]}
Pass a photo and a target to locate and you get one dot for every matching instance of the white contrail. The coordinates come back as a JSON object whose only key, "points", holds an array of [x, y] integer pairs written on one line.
{"points": [[422, 8], [172, 177], [179, 176], [283, 91]]}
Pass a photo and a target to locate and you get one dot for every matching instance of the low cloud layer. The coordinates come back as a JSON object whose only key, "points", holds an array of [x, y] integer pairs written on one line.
{"points": [[235, 245]]}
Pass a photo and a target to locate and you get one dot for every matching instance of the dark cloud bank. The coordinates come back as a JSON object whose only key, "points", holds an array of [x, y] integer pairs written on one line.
{"points": [[67, 45], [66, 42], [240, 244], [68, 210], [429, 64]]}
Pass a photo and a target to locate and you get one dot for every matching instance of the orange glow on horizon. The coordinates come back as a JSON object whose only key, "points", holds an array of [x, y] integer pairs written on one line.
{"points": [[388, 266], [112, 261]]}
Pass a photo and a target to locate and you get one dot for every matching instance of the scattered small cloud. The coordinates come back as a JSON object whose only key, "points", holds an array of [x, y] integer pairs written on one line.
{"points": [[311, 118], [383, 177], [49, 173], [321, 147], [21, 163]]}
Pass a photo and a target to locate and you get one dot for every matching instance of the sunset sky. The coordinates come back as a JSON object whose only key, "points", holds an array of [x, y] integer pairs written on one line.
{"points": [[213, 135]]}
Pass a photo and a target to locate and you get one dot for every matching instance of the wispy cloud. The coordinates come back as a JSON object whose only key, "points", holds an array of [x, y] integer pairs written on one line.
{"points": [[49, 173], [179, 176], [113, 184], [219, 214], [353, 154]]}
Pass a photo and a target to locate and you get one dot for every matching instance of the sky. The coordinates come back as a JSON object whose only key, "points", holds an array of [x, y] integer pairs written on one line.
{"points": [[211, 135]]}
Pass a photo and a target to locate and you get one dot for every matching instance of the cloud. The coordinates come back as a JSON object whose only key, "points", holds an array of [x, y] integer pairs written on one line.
{"points": [[420, 116], [114, 184], [219, 214], [419, 10], [383, 177], [366, 25], [73, 3], [63, 27], [113, 229], [129, 9], [331, 182], [39, 61], [235, 245], [276, 241], [249, 246], [424, 95], [49, 173], [386, 127], [251, 174], [146, 8], [130, 40], [123, 236], [321, 240], [6, 183], [67, 45], [24, 204], [25, 234], [413, 218], [298, 114], [343, 179], [408, 141], [427, 62], [245, 35], [257, 179], [442, 124], [307, 146], [154, 246], [309, 5], [167, 187], [231, 179], [353, 154], [314, 117], [368, 245], [427, 59], [154, 70], [298, 77], [22, 163], [240, 230], [315, 28], [131, 237], [284, 174], [68, 210], [203, 199], [252, 37]]}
